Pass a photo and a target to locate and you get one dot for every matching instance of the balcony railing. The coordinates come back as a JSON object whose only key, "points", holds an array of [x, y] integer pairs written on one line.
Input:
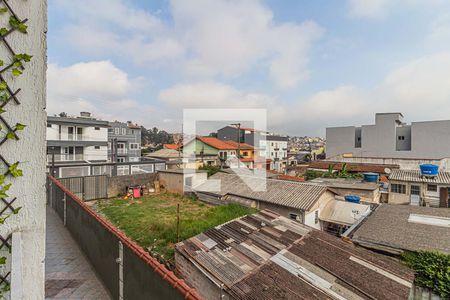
{"points": [[65, 157], [121, 151]]}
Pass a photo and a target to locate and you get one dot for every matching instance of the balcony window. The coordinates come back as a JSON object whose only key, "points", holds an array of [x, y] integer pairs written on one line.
{"points": [[79, 133], [70, 131]]}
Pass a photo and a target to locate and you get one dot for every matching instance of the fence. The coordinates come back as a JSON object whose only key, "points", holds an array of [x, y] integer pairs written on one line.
{"points": [[127, 270], [77, 169], [87, 187]]}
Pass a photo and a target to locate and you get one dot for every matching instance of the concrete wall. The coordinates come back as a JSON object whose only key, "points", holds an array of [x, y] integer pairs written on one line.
{"points": [[198, 280], [117, 184], [28, 226], [429, 140], [175, 182]]}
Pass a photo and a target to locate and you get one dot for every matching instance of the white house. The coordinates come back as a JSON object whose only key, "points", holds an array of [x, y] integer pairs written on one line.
{"points": [[78, 139]]}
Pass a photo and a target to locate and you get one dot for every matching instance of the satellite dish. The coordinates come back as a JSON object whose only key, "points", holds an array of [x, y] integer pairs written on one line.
{"points": [[387, 170]]}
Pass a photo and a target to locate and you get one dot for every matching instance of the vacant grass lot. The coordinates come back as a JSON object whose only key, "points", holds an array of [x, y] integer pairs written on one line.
{"points": [[151, 221]]}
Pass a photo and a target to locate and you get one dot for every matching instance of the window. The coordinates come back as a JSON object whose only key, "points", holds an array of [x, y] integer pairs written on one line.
{"points": [[401, 137], [245, 153], [415, 190], [188, 181], [97, 147], [316, 217], [109, 145], [96, 128], [134, 146], [294, 217], [124, 131], [432, 188], [398, 188], [49, 125], [121, 159], [117, 130], [110, 130]]}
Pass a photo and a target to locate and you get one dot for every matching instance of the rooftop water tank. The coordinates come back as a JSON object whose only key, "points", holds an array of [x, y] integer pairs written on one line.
{"points": [[353, 199], [429, 170], [371, 177]]}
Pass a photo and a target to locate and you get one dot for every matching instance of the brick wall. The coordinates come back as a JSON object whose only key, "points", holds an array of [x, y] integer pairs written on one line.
{"points": [[117, 185]]}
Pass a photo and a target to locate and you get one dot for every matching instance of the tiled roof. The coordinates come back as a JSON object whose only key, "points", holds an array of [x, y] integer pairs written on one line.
{"points": [[388, 227], [415, 176], [222, 145], [171, 146], [164, 153], [354, 167], [267, 256], [297, 195]]}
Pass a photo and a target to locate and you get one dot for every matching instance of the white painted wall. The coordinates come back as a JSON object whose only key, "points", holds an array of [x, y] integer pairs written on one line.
{"points": [[90, 153], [28, 226], [89, 133]]}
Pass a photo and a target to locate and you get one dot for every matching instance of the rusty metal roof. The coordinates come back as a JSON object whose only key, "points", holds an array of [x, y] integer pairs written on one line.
{"points": [[267, 256], [415, 176]]}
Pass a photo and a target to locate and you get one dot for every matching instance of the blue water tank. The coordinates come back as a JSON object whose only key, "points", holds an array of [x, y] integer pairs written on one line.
{"points": [[352, 199], [371, 177], [429, 170]]}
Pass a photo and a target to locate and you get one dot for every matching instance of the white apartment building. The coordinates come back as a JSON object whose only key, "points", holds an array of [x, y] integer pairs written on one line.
{"points": [[390, 140], [77, 139], [274, 147]]}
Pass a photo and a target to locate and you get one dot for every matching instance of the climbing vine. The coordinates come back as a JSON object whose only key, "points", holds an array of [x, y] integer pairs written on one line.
{"points": [[11, 67]]}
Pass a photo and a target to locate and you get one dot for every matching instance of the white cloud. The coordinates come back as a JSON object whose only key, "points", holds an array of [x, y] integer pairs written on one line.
{"points": [[98, 87], [368, 8], [206, 38]]}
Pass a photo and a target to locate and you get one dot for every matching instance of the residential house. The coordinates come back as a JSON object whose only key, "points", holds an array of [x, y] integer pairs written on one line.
{"points": [[411, 187], [268, 256], [124, 142], [76, 139], [212, 151], [398, 228], [367, 191], [270, 146], [295, 200], [390, 138]]}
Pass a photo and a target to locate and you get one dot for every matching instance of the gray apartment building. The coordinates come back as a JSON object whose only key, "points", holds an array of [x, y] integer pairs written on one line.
{"points": [[124, 142], [390, 137]]}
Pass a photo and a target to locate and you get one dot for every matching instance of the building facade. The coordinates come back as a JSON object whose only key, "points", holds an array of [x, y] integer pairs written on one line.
{"points": [[411, 187], [390, 137], [124, 142], [76, 139], [270, 146]]}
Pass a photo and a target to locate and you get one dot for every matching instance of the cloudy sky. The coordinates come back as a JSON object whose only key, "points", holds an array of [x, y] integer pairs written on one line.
{"points": [[312, 64]]}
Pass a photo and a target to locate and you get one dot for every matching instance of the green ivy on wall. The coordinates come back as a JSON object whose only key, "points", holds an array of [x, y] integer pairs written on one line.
{"points": [[15, 67]]}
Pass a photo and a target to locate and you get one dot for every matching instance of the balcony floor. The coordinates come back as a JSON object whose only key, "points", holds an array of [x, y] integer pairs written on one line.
{"points": [[68, 274]]}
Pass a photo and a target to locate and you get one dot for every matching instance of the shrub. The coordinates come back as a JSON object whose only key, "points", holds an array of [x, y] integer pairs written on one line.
{"points": [[432, 270]]}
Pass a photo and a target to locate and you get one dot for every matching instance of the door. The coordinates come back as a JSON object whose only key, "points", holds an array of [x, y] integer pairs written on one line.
{"points": [[415, 195], [444, 197]]}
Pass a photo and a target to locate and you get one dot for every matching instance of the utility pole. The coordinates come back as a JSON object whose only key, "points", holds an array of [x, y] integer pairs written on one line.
{"points": [[53, 162], [178, 222], [238, 126]]}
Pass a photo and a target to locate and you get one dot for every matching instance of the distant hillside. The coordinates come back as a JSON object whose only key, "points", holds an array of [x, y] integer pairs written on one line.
{"points": [[156, 137]]}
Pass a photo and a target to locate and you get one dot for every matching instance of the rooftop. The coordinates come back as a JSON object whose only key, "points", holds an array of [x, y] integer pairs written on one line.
{"points": [[223, 145], [415, 176], [353, 167], [267, 256], [345, 183], [164, 153], [395, 228], [297, 195]]}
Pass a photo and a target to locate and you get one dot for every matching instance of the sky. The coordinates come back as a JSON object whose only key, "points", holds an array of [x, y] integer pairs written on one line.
{"points": [[311, 64]]}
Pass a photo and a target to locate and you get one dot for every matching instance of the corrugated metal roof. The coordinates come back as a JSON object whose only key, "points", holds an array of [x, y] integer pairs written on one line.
{"points": [[389, 227], [267, 256], [297, 195], [415, 176], [342, 212]]}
